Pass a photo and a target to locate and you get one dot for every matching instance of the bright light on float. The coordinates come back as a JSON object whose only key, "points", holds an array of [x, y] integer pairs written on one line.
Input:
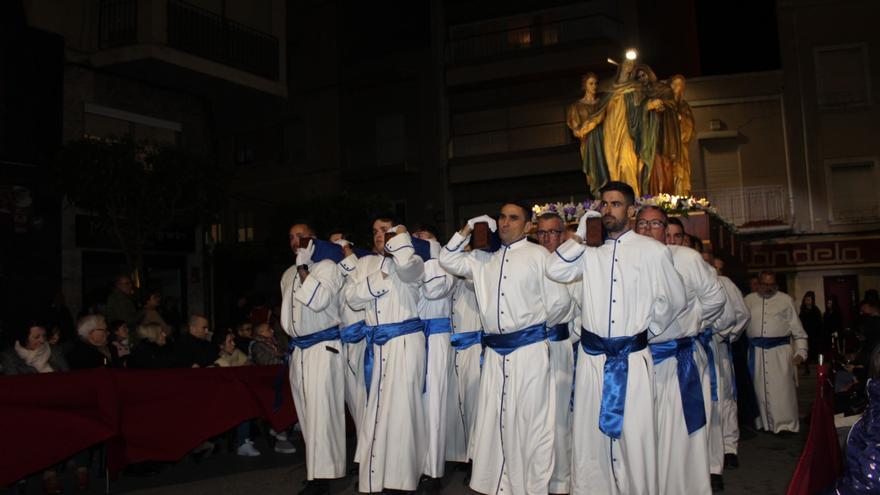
{"points": [[631, 54]]}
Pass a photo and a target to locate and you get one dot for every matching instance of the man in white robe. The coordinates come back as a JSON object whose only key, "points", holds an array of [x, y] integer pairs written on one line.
{"points": [[391, 441], [352, 332], [512, 442], [549, 234], [435, 312], [728, 419], [777, 346], [681, 371], [464, 384], [310, 316], [630, 290]]}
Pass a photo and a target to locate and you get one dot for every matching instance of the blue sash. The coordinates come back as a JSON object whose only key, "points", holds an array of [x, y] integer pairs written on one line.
{"points": [[616, 351], [381, 335], [464, 340], [353, 333], [705, 338], [303, 343], [505, 343], [764, 343], [689, 385], [558, 333], [433, 326]]}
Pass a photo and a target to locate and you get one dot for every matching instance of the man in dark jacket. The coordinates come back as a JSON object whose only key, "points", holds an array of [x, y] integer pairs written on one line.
{"points": [[194, 348], [92, 350]]}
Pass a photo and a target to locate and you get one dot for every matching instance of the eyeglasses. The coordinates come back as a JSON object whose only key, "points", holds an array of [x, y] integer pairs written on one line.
{"points": [[548, 233], [654, 224]]}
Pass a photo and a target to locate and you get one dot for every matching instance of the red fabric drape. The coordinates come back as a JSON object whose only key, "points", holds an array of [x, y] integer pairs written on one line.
{"points": [[156, 415], [820, 462]]}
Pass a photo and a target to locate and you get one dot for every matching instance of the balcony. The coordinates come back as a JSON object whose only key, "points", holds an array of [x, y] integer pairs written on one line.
{"points": [[190, 37], [752, 208]]}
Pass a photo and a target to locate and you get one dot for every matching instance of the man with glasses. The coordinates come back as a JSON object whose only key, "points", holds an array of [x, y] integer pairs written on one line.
{"points": [[683, 371], [777, 345], [633, 291], [549, 233]]}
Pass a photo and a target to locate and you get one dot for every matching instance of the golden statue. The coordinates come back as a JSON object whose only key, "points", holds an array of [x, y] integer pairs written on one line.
{"points": [[682, 167], [584, 120]]}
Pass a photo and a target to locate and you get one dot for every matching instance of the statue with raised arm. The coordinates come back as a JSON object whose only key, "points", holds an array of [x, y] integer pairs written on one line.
{"points": [[584, 119]]}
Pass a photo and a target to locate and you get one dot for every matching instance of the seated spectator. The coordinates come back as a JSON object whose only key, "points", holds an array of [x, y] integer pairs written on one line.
{"points": [[193, 349], [120, 338], [32, 354], [149, 313], [244, 336], [266, 350], [92, 349], [229, 354], [151, 350]]}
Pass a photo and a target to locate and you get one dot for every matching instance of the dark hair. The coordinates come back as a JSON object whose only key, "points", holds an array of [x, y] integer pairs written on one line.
{"points": [[431, 229], [526, 209], [811, 295], [113, 326], [621, 187], [219, 337], [147, 294], [25, 331], [385, 216], [655, 208], [871, 303], [342, 232], [302, 221], [698, 243], [586, 77], [676, 221]]}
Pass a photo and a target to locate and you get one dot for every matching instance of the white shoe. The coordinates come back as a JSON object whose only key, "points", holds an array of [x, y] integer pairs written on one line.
{"points": [[247, 449], [284, 447], [280, 436]]}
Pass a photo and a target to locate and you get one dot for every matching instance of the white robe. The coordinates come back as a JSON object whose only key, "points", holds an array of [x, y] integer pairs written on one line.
{"points": [[774, 373], [630, 286], [683, 459], [726, 417], [436, 303], [355, 391], [317, 374], [391, 442], [512, 442], [464, 383]]}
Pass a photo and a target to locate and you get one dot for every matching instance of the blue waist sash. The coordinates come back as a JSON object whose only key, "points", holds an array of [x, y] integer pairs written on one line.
{"points": [[505, 343], [381, 335], [464, 340], [705, 338], [558, 333], [303, 343], [616, 351], [689, 385], [307, 341], [764, 343], [353, 333]]}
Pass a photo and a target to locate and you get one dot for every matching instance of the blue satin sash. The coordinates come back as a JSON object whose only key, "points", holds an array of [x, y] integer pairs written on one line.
{"points": [[464, 340], [705, 338], [505, 343], [616, 351], [692, 403], [558, 333], [381, 335], [353, 333], [764, 343]]}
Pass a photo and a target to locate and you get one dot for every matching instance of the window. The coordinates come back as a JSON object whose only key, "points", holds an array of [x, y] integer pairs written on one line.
{"points": [[852, 190], [842, 76], [244, 223]]}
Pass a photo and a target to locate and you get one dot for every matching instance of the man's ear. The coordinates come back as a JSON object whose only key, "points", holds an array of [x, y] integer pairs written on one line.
{"points": [[631, 211]]}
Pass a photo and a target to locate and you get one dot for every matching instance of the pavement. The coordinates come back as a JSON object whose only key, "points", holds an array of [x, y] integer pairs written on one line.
{"points": [[767, 462]]}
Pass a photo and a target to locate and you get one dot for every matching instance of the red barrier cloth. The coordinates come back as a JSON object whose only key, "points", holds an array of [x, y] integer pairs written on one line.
{"points": [[820, 462], [143, 415]]}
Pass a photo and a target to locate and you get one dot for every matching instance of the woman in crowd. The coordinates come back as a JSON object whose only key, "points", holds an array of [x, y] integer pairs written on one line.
{"points": [[150, 311], [151, 350], [229, 354], [265, 350], [811, 319], [120, 339]]}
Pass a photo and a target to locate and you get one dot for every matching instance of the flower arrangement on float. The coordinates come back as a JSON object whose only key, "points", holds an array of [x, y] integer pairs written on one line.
{"points": [[572, 211]]}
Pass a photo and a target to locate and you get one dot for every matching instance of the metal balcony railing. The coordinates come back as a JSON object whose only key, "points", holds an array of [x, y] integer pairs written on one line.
{"points": [[117, 23], [214, 37], [536, 35], [752, 205]]}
